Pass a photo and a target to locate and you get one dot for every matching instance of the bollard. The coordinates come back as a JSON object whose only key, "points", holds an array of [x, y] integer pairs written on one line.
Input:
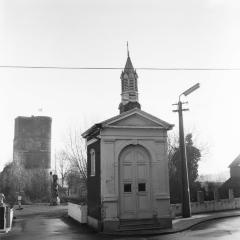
{"points": [[200, 196], [230, 194], [8, 217], [216, 195]]}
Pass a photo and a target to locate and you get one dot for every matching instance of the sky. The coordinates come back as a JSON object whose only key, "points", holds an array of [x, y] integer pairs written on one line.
{"points": [[93, 33]]}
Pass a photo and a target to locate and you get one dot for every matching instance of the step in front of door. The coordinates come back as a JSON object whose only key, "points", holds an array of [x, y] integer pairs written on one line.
{"points": [[135, 225]]}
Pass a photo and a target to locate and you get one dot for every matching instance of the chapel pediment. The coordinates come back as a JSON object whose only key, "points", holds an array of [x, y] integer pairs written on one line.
{"points": [[137, 118]]}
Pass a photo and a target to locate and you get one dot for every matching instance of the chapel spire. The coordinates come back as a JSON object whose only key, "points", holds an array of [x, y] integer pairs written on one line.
{"points": [[129, 87]]}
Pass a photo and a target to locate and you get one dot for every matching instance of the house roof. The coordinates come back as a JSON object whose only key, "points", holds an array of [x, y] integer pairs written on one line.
{"points": [[98, 126], [235, 162]]}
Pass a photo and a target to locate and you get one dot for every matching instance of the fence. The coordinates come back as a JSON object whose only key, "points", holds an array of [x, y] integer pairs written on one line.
{"points": [[208, 206]]}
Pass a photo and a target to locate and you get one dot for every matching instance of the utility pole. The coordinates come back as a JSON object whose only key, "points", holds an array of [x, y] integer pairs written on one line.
{"points": [[185, 193]]}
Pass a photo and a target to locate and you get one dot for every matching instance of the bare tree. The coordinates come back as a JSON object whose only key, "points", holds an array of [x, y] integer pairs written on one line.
{"points": [[75, 150], [63, 165]]}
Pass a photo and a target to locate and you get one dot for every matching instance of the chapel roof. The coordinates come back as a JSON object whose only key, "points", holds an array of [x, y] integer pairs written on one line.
{"points": [[235, 162], [98, 126]]}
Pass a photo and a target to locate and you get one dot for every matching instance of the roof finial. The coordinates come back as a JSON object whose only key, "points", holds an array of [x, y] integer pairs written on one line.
{"points": [[127, 50]]}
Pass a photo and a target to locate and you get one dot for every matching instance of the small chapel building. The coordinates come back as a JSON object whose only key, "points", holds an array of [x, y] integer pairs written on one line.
{"points": [[127, 166]]}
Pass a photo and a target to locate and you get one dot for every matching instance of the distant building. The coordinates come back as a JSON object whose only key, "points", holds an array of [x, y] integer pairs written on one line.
{"points": [[235, 168], [234, 181], [32, 142], [127, 166]]}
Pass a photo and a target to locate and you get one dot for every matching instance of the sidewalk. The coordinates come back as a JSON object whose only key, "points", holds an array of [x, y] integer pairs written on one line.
{"points": [[181, 224]]}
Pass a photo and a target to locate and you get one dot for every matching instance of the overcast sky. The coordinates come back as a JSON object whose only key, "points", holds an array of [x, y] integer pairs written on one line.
{"points": [[93, 33]]}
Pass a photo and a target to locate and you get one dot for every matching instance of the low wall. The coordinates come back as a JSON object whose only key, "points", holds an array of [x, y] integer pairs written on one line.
{"points": [[77, 212], [207, 206]]}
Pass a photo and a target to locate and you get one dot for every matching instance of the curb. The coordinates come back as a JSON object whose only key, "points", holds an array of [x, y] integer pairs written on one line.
{"points": [[201, 221], [172, 230]]}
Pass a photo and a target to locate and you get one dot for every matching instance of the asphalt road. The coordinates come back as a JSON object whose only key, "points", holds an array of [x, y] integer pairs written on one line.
{"points": [[45, 226], [221, 229]]}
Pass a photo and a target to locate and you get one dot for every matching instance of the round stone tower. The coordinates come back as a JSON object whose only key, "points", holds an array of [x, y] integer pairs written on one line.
{"points": [[32, 142]]}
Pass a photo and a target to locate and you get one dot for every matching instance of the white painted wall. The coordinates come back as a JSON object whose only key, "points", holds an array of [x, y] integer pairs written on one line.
{"points": [[113, 141], [208, 206], [77, 212]]}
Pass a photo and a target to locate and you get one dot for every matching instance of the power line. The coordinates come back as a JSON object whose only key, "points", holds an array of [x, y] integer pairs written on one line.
{"points": [[120, 68]]}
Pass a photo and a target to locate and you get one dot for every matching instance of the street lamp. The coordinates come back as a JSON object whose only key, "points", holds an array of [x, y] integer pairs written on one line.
{"points": [[186, 208]]}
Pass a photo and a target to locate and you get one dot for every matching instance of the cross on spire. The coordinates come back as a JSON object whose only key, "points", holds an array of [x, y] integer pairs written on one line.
{"points": [[127, 49]]}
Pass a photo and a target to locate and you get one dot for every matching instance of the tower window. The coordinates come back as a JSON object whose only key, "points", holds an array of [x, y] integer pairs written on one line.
{"points": [[125, 85], [131, 84], [93, 164]]}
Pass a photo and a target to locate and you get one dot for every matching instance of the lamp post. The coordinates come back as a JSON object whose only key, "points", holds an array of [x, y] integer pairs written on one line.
{"points": [[185, 193]]}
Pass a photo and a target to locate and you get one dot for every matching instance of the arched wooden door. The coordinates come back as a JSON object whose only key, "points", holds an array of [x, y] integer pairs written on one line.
{"points": [[135, 183]]}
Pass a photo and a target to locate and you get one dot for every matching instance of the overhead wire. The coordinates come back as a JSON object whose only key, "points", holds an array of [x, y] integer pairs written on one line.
{"points": [[121, 68]]}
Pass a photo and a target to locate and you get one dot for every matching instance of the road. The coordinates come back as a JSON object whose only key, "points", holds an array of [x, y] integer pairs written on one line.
{"points": [[221, 229], [48, 226]]}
